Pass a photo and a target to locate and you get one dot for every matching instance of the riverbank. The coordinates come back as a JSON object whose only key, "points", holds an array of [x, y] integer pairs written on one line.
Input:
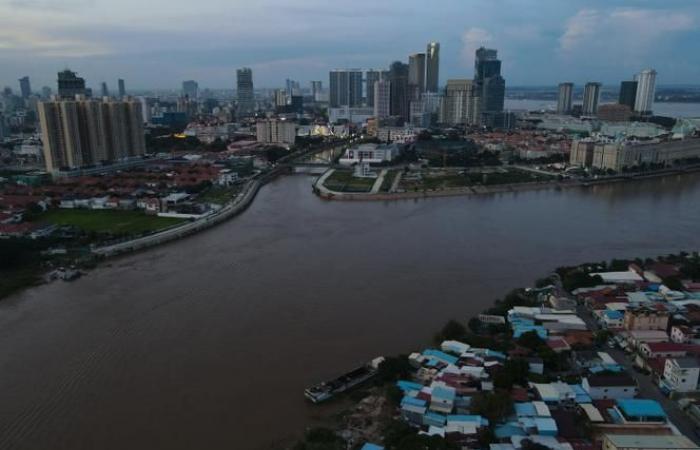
{"points": [[323, 192], [491, 368]]}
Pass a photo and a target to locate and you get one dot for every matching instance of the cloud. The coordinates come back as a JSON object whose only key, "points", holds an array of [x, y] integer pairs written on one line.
{"points": [[472, 39], [623, 31], [42, 44]]}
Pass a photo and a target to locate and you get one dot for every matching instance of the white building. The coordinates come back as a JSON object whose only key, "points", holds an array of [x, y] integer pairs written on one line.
{"points": [[369, 153], [357, 115], [398, 135], [603, 387], [681, 374], [646, 89], [276, 131]]}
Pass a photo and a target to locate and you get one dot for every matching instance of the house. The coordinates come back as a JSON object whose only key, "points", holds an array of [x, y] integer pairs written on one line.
{"points": [[442, 398], [556, 392], [535, 365], [605, 386], [635, 339], [646, 318], [227, 177], [371, 153], [681, 374], [413, 409], [611, 318], [647, 442], [633, 410], [663, 350], [370, 446], [681, 334], [628, 277]]}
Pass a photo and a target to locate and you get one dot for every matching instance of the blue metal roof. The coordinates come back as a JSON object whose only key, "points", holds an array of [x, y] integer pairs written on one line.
{"points": [[432, 418], [408, 386], [412, 401], [546, 426], [638, 407], [613, 315], [442, 356], [508, 430], [525, 409], [444, 392], [369, 446]]}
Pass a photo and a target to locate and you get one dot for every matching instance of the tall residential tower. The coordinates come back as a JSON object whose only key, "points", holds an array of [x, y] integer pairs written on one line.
{"points": [[432, 67]]}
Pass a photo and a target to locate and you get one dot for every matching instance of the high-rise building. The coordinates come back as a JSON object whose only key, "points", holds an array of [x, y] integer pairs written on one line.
{"points": [[70, 84], [591, 97], [104, 91], [646, 90], [398, 78], [190, 89], [275, 131], [122, 88], [458, 103], [82, 132], [416, 75], [316, 90], [244, 85], [24, 87], [45, 92], [628, 94], [432, 67], [371, 77], [280, 98], [382, 99], [489, 85], [566, 95], [345, 88]]}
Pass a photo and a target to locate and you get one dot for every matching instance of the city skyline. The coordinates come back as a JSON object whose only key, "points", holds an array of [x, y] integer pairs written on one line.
{"points": [[161, 49]]}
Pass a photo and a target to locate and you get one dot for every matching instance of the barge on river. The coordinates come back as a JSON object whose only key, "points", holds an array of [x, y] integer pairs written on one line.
{"points": [[357, 376]]}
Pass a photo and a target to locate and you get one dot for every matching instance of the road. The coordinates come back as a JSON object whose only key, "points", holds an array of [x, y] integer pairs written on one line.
{"points": [[647, 387]]}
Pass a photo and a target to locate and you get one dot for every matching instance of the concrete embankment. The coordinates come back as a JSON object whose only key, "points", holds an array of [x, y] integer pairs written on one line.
{"points": [[235, 207], [323, 192]]}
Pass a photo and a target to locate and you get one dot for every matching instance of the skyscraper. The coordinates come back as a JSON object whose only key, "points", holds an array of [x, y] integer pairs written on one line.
{"points": [[81, 132], [416, 75], [432, 65], [345, 88], [458, 103], [244, 86], [628, 94], [122, 89], [646, 89], [371, 77], [190, 89], [591, 97], [24, 87], [70, 84], [104, 91], [489, 85], [316, 90], [398, 78], [382, 98], [566, 94]]}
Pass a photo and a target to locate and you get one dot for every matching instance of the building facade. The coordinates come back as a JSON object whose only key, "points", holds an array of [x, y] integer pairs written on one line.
{"points": [[564, 100], [458, 105], [345, 88], [646, 90], [190, 89], [25, 88], [82, 132], [591, 98], [244, 91], [70, 84], [382, 99], [432, 67], [489, 85], [276, 131], [628, 94], [416, 75], [682, 374], [400, 98]]}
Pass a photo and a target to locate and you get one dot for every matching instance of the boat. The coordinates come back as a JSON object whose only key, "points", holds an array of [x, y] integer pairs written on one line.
{"points": [[328, 389]]}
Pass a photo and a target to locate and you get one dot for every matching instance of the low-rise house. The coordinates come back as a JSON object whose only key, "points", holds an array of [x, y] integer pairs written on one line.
{"points": [[612, 319], [442, 398], [663, 350], [610, 386], [556, 392], [632, 410], [646, 442], [681, 374], [646, 318], [681, 334], [635, 339]]}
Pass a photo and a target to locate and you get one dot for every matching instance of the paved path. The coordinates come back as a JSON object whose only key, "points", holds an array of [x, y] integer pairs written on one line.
{"points": [[397, 180], [378, 182]]}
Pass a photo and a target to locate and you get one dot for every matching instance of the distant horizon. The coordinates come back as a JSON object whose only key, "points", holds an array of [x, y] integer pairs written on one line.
{"points": [[158, 43]]}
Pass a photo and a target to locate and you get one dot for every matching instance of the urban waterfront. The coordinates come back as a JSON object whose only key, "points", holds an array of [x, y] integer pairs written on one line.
{"points": [[209, 341], [662, 108]]}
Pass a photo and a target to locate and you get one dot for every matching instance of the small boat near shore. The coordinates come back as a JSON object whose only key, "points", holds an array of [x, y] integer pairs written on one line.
{"points": [[328, 389]]}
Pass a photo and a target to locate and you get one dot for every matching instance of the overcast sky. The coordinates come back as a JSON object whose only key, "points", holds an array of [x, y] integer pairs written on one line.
{"points": [[159, 43]]}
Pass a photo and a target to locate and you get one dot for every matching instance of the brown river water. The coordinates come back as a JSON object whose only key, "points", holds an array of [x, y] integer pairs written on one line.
{"points": [[208, 342]]}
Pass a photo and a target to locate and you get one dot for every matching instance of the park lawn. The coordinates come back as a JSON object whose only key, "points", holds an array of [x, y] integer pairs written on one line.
{"points": [[344, 181], [108, 221], [219, 195]]}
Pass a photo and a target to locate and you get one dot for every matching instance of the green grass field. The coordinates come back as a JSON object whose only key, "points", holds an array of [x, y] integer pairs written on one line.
{"points": [[107, 221], [344, 181]]}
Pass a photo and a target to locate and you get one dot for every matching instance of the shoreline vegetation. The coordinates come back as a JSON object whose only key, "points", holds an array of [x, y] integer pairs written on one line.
{"points": [[375, 416]]}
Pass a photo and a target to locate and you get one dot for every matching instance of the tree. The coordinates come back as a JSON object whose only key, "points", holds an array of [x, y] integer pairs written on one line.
{"points": [[394, 368], [321, 439], [514, 371], [673, 283], [451, 331], [530, 340], [495, 406]]}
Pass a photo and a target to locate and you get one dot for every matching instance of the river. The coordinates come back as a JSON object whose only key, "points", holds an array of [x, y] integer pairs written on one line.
{"points": [[209, 341], [661, 108]]}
